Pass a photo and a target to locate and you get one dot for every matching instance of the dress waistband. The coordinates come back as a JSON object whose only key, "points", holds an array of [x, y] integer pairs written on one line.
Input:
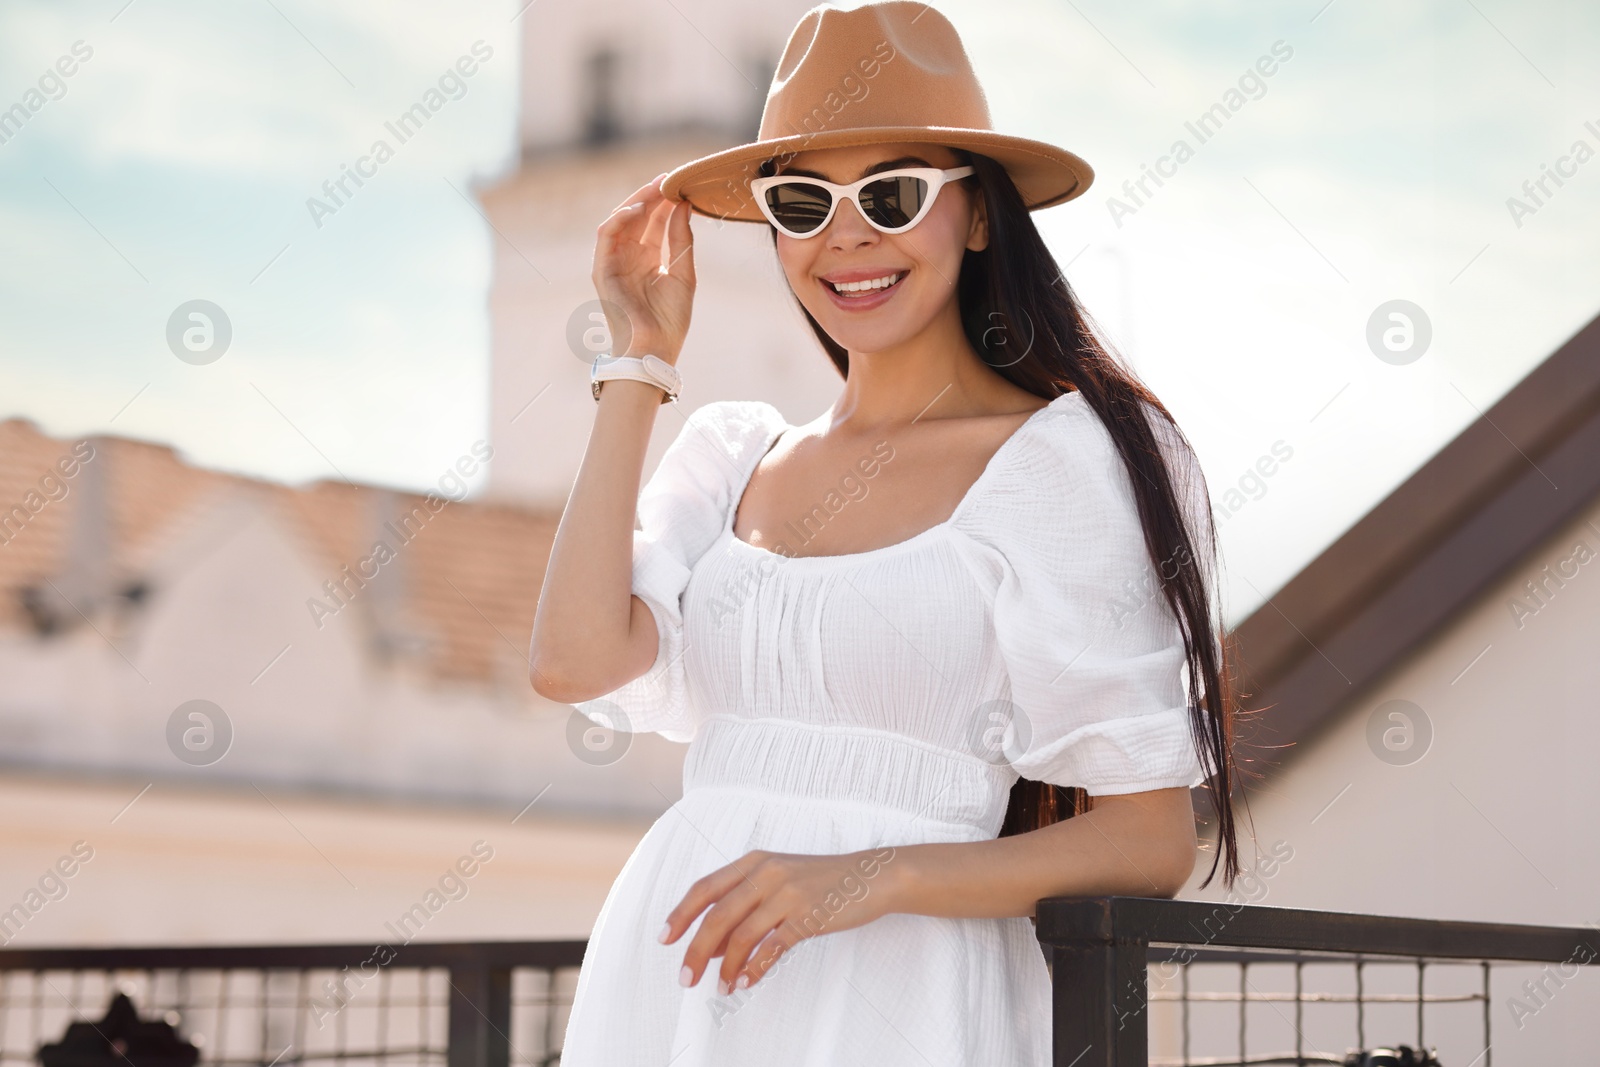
{"points": [[848, 764]]}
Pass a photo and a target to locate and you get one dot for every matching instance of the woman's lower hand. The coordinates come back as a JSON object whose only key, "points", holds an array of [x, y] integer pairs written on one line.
{"points": [[644, 273], [767, 902]]}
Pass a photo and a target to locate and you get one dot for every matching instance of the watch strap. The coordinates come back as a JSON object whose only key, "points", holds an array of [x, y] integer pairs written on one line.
{"points": [[652, 370]]}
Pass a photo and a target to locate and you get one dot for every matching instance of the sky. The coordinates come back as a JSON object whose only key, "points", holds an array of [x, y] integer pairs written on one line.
{"points": [[178, 165], [184, 158]]}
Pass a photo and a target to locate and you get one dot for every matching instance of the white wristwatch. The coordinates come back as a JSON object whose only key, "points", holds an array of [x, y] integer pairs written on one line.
{"points": [[650, 369]]}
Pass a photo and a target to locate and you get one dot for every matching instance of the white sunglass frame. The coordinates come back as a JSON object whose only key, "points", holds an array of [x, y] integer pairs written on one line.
{"points": [[936, 177]]}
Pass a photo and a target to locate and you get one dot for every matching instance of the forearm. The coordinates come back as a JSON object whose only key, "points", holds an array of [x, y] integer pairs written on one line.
{"points": [[1124, 847], [582, 630]]}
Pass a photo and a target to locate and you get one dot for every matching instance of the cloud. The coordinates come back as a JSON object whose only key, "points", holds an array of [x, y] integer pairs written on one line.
{"points": [[245, 90]]}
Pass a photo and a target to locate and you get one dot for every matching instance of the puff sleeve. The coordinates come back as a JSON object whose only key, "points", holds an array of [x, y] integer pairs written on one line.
{"points": [[681, 510], [1094, 653]]}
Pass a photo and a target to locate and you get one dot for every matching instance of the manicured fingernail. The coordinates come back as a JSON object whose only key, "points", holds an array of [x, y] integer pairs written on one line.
{"points": [[686, 976], [743, 981], [722, 986], [666, 932]]}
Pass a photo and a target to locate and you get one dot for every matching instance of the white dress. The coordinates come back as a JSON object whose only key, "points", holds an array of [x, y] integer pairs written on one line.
{"points": [[849, 702]]}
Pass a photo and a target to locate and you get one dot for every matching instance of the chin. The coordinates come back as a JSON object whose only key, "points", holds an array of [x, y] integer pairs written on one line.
{"points": [[862, 335], [859, 338]]}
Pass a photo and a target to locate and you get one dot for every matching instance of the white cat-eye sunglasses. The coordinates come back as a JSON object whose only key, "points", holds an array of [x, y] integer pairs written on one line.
{"points": [[892, 201]]}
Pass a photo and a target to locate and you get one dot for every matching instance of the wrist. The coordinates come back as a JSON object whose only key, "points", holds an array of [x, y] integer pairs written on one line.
{"points": [[646, 392], [890, 875], [649, 368], [639, 349]]}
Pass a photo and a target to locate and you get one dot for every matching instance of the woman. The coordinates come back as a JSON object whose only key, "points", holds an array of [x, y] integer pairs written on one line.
{"points": [[929, 650]]}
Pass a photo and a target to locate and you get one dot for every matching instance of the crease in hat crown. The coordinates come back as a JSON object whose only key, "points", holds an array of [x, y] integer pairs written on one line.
{"points": [[892, 71]]}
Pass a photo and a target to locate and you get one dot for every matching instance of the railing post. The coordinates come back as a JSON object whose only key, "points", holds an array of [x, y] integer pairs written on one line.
{"points": [[480, 1016], [1098, 999]]}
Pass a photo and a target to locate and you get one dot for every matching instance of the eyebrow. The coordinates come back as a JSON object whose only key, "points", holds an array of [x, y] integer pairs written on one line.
{"points": [[888, 164]]}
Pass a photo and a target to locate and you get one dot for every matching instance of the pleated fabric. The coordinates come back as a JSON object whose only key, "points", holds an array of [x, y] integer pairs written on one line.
{"points": [[834, 704]]}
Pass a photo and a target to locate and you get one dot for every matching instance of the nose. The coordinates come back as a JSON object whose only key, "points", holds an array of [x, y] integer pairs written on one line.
{"points": [[848, 230]]}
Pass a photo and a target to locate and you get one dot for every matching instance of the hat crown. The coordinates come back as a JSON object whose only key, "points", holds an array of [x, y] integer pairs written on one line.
{"points": [[888, 72], [896, 63]]}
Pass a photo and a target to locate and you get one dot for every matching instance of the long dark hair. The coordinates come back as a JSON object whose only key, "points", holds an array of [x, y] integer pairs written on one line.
{"points": [[1014, 289]]}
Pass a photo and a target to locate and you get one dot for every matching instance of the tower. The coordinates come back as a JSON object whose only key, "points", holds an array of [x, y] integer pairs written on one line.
{"points": [[612, 95]]}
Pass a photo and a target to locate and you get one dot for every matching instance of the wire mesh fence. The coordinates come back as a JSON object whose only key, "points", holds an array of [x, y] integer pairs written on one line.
{"points": [[1231, 1008], [1166, 983], [466, 1006], [1136, 983]]}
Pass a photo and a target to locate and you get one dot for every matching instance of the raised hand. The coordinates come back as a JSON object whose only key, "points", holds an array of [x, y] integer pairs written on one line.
{"points": [[644, 271]]}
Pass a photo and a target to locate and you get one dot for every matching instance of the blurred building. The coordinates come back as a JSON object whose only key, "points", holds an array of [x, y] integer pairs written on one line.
{"points": [[349, 653], [1430, 683], [373, 705]]}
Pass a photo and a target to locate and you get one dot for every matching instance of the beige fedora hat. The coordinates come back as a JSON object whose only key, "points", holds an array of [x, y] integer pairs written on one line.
{"points": [[883, 72]]}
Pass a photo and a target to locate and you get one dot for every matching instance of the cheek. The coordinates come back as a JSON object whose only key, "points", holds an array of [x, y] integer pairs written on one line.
{"points": [[942, 236], [796, 258]]}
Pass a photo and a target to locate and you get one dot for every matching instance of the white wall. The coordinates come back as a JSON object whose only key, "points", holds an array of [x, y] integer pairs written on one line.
{"points": [[310, 709], [185, 864], [1496, 821]]}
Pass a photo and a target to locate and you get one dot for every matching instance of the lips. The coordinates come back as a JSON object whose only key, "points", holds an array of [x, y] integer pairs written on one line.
{"points": [[865, 298], [863, 285]]}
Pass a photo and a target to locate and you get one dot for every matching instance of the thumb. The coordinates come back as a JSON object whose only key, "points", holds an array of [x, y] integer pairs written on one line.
{"points": [[680, 243]]}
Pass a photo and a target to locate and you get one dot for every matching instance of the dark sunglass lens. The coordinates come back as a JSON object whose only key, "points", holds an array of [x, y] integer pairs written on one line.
{"points": [[893, 202], [800, 206]]}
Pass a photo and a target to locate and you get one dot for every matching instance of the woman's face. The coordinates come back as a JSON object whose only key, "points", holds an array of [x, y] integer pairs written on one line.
{"points": [[926, 259]]}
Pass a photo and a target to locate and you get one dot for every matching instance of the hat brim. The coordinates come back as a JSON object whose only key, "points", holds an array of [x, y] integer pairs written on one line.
{"points": [[718, 185]]}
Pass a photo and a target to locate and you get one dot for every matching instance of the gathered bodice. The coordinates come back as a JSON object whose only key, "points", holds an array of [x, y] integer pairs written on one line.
{"points": [[1025, 635]]}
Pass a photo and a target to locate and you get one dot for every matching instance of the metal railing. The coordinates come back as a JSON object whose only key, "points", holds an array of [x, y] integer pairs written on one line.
{"points": [[1116, 962], [464, 1004], [1127, 973]]}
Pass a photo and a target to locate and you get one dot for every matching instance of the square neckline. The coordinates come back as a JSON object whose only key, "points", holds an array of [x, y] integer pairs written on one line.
{"points": [[738, 491]]}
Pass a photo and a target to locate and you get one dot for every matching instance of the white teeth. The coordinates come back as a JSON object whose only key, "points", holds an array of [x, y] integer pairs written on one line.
{"points": [[859, 287]]}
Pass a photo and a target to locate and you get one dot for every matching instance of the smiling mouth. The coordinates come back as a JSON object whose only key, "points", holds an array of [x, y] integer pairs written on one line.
{"points": [[856, 290]]}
